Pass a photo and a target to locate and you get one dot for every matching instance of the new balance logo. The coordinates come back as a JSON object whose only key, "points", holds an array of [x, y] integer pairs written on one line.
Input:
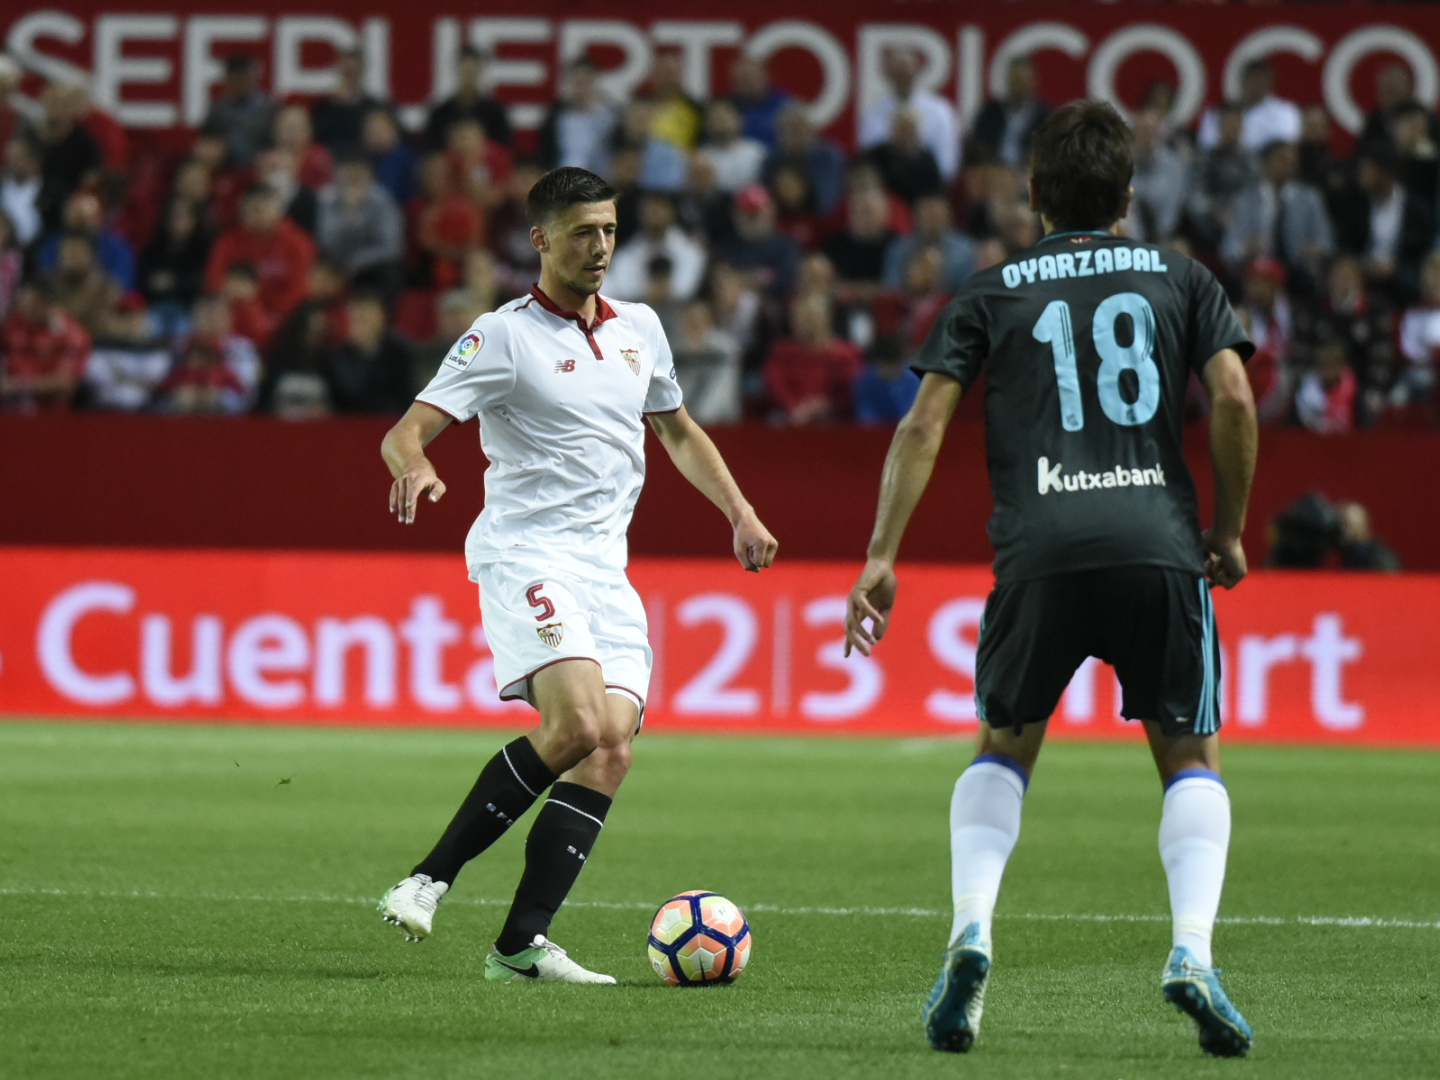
{"points": [[1048, 478], [564, 365]]}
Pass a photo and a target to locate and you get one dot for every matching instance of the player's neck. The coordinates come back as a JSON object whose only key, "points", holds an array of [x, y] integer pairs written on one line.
{"points": [[567, 299], [1050, 227]]}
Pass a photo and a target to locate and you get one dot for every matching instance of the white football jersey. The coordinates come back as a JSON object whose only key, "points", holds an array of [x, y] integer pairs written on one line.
{"points": [[562, 419]]}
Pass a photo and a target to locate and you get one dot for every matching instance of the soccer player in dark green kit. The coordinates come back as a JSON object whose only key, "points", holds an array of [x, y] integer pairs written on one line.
{"points": [[1087, 342]]}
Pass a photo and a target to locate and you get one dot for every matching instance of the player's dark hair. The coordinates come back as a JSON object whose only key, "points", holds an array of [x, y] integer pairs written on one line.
{"points": [[1082, 159], [564, 187]]}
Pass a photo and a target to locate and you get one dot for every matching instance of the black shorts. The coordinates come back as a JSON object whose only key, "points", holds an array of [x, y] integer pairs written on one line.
{"points": [[1155, 625]]}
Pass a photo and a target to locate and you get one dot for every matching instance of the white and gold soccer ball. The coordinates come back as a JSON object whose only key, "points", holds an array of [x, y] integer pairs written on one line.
{"points": [[699, 938]]}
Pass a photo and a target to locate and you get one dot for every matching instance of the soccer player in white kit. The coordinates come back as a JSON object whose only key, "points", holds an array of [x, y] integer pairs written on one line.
{"points": [[563, 382]]}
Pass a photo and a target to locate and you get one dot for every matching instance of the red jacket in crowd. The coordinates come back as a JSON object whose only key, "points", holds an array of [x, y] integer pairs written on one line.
{"points": [[796, 374], [281, 259], [58, 346]]}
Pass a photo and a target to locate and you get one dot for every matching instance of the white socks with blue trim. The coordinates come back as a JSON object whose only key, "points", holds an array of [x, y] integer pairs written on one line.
{"points": [[1194, 838], [984, 825]]}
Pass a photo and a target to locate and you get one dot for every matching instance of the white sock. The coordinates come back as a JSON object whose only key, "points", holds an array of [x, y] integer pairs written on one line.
{"points": [[1194, 837], [984, 825]]}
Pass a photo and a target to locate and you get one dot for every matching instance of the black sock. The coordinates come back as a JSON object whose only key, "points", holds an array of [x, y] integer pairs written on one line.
{"points": [[555, 852], [510, 782]]}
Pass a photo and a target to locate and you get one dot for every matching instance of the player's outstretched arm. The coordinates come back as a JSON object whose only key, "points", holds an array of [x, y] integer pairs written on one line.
{"points": [[907, 471], [1234, 437], [403, 449], [700, 462]]}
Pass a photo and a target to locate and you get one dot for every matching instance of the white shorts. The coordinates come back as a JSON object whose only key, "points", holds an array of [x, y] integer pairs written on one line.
{"points": [[536, 616]]}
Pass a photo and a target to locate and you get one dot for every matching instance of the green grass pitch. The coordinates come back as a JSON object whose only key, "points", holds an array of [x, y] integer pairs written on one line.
{"points": [[199, 902]]}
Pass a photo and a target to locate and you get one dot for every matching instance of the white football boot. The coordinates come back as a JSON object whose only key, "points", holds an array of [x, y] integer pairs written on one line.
{"points": [[411, 905], [543, 961]]}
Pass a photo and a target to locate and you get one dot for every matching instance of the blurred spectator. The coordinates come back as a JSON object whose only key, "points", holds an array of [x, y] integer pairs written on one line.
{"points": [[1159, 98], [447, 224], [1419, 156], [1389, 230], [886, 388], [81, 285], [909, 311], [242, 116], [738, 310], [11, 121], [471, 101], [274, 245], [624, 177], [906, 166], [248, 316], [758, 102], [126, 365], [212, 323], [1394, 97], [42, 351], [819, 160], [579, 127], [662, 164], [795, 212], [359, 227], [1280, 218], [735, 158], [20, 183], [370, 371], [702, 208], [659, 235], [765, 257], [1265, 312], [1003, 126], [1267, 119], [1318, 165], [109, 134], [1160, 183], [509, 231], [314, 164], [933, 228], [675, 117], [707, 366], [1325, 398], [1362, 323], [1420, 342], [172, 266], [12, 263], [276, 168], [193, 185], [200, 383], [810, 375], [1222, 173], [858, 250], [293, 386], [935, 125], [480, 165], [338, 118], [390, 154], [69, 155], [989, 252], [1361, 549], [84, 214], [659, 295], [455, 312]]}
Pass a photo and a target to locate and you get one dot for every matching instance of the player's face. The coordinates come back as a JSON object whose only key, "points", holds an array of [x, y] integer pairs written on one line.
{"points": [[577, 245]]}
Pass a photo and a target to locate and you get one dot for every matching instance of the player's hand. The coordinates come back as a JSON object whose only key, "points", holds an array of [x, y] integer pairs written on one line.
{"points": [[405, 492], [872, 598], [1224, 560], [754, 546]]}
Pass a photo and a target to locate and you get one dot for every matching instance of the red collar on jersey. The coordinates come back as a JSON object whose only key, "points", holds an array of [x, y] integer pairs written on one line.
{"points": [[603, 311]]}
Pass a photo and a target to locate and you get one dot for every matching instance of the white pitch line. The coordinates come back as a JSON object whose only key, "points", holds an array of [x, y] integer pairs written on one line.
{"points": [[1345, 921]]}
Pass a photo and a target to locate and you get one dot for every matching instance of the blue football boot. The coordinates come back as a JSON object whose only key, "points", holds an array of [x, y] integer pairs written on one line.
{"points": [[1196, 991], [952, 1013]]}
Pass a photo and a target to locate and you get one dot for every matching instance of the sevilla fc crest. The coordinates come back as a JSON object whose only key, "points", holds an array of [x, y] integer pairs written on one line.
{"points": [[632, 357], [551, 634]]}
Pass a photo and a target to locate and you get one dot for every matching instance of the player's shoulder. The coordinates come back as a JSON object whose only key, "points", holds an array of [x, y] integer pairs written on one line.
{"points": [[634, 313]]}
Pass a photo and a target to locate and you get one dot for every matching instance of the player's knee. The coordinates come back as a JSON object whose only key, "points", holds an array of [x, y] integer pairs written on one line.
{"points": [[615, 746], [582, 730]]}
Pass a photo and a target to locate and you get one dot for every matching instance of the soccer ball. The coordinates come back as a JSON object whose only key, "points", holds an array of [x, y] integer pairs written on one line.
{"points": [[698, 938]]}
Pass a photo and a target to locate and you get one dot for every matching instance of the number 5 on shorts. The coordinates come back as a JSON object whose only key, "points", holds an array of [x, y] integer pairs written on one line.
{"points": [[547, 609]]}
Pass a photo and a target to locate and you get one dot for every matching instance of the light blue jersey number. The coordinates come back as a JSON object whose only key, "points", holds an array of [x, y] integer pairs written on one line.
{"points": [[1139, 356]]}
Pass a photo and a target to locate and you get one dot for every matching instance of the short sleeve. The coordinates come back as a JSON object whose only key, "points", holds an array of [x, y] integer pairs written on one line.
{"points": [[958, 343], [477, 372], [663, 394], [1213, 325]]}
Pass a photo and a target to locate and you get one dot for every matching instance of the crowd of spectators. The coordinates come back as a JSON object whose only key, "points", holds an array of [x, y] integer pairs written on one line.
{"points": [[309, 259]]}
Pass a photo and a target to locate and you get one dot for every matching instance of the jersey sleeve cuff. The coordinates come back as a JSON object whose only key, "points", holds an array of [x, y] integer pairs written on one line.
{"points": [[441, 408]]}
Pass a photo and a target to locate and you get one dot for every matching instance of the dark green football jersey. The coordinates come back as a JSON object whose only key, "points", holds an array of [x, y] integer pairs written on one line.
{"points": [[1087, 342]]}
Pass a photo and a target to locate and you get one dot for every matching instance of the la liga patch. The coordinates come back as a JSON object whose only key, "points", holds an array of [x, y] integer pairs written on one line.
{"points": [[465, 349]]}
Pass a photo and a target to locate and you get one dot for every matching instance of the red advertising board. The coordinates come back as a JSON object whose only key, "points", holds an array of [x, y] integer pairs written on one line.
{"points": [[156, 66], [397, 639]]}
